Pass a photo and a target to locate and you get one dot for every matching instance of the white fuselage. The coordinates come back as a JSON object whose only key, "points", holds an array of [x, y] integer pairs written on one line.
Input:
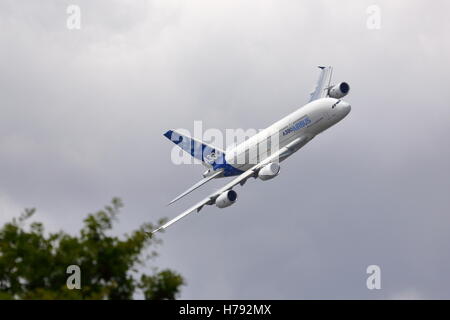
{"points": [[304, 123]]}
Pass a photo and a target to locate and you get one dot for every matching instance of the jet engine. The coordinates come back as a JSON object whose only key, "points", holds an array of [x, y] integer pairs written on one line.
{"points": [[339, 91], [226, 199], [269, 171]]}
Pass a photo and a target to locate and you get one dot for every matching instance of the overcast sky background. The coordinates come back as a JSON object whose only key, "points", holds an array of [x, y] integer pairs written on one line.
{"points": [[83, 111]]}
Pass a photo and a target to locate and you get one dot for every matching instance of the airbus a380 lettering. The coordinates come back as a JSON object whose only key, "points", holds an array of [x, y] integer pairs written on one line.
{"points": [[272, 145]]}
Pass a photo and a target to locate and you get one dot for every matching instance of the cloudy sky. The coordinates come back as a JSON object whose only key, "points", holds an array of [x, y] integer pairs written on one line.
{"points": [[82, 114]]}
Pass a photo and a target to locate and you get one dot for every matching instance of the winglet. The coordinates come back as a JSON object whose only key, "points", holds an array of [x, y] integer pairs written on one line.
{"points": [[150, 234], [322, 83]]}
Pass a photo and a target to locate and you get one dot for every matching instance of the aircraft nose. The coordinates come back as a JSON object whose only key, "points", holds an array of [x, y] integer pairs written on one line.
{"points": [[346, 107]]}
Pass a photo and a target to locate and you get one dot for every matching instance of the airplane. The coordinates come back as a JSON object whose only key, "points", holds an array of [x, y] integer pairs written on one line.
{"points": [[323, 110]]}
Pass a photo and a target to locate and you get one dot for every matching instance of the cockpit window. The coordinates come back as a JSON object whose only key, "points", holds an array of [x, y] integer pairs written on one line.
{"points": [[335, 104]]}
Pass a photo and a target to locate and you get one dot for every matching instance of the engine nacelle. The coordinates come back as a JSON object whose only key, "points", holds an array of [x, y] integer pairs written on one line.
{"points": [[269, 171], [226, 199], [339, 91]]}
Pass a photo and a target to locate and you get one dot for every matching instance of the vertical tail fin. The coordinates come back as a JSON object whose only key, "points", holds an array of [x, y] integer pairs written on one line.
{"points": [[208, 154]]}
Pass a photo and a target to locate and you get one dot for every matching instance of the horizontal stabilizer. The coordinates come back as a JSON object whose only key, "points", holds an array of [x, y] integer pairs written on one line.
{"points": [[195, 186]]}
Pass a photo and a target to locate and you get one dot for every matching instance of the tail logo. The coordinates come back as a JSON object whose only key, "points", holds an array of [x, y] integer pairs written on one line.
{"points": [[210, 158]]}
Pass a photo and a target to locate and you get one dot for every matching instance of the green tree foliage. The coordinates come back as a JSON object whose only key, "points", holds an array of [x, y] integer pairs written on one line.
{"points": [[33, 264]]}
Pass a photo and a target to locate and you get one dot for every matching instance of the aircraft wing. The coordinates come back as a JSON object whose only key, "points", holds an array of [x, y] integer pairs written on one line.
{"points": [[241, 179], [321, 89]]}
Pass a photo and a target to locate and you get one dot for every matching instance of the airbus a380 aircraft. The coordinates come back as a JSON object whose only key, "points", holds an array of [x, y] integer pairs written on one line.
{"points": [[324, 110]]}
